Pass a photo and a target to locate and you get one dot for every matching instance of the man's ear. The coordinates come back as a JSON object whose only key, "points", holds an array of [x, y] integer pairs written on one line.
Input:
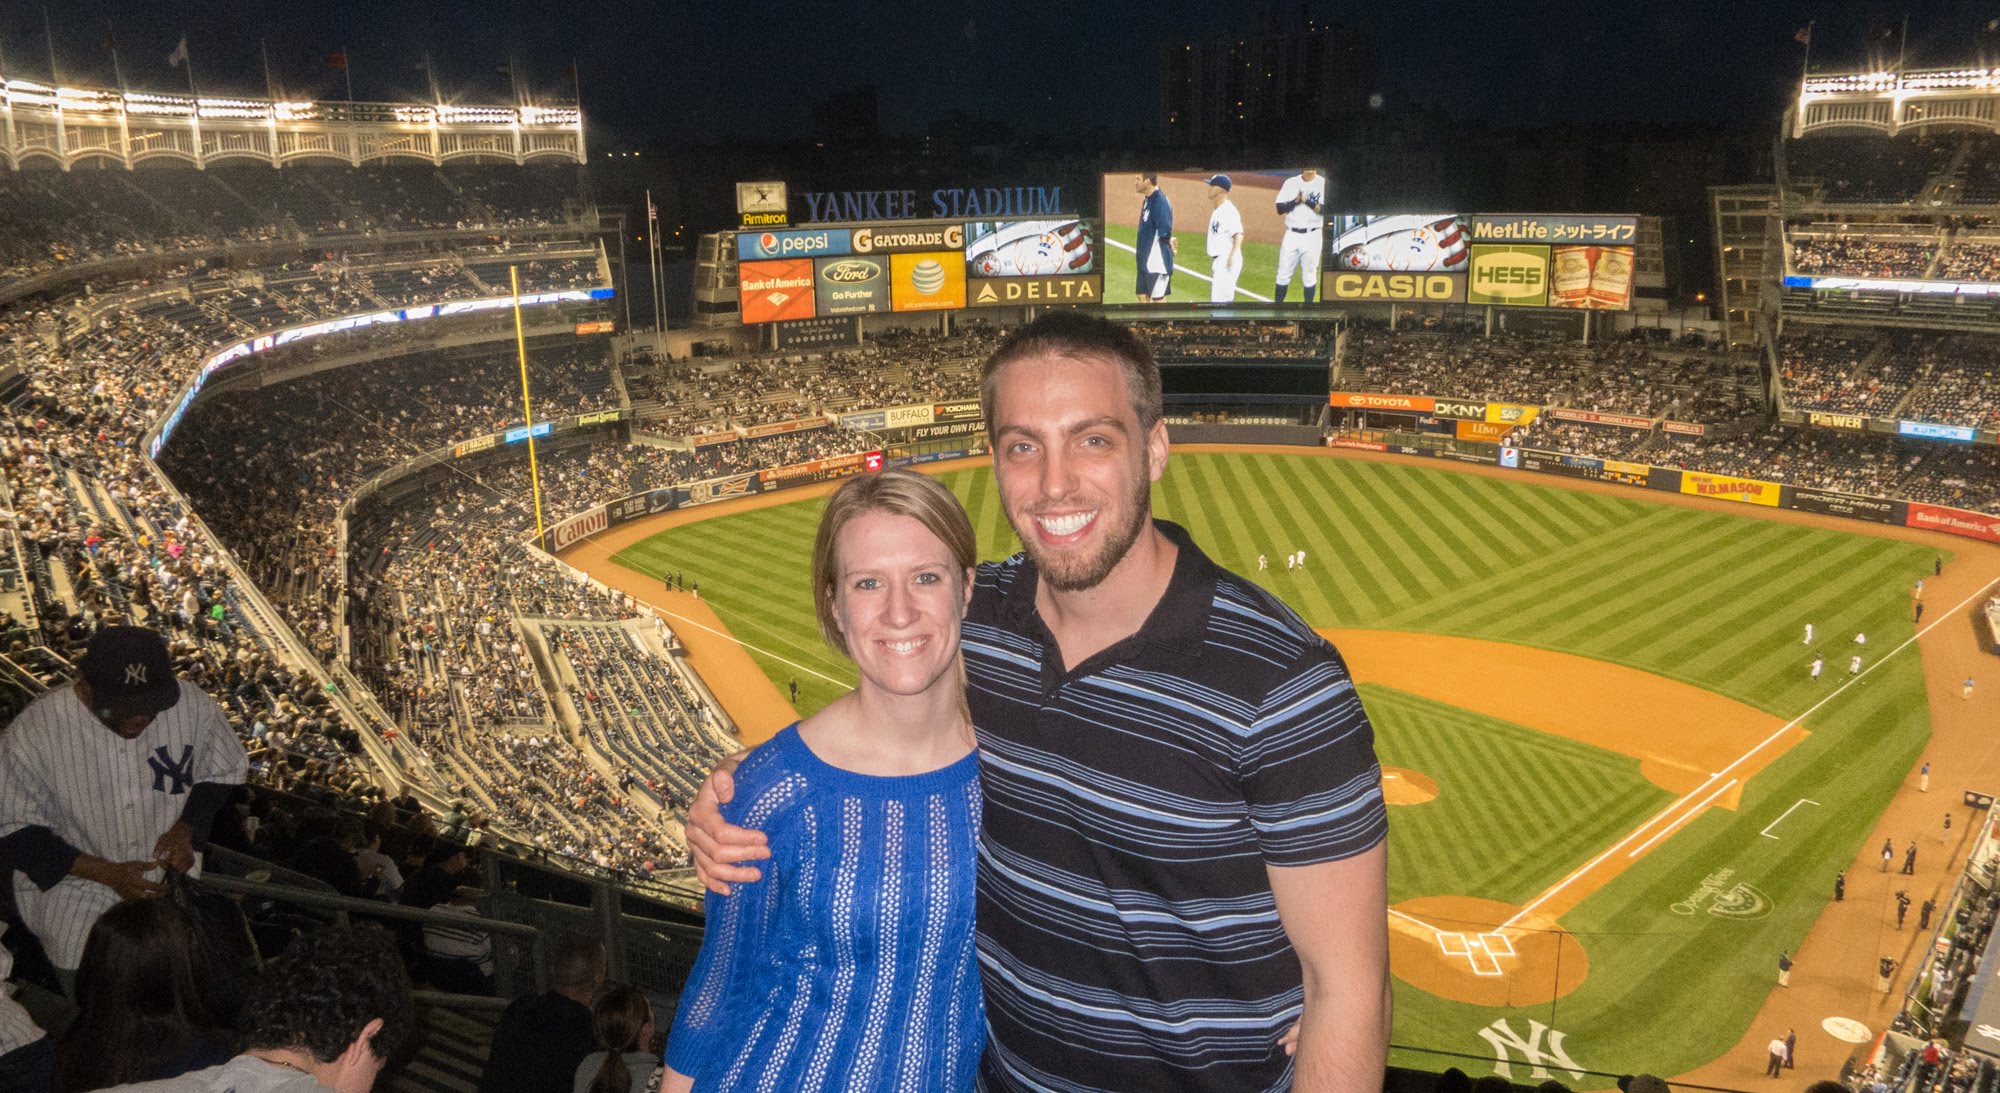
{"points": [[364, 1044]]}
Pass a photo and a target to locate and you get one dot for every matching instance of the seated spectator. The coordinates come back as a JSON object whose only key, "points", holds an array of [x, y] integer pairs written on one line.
{"points": [[459, 959], [378, 870], [27, 1055], [542, 1039], [445, 868], [141, 1013], [327, 1014], [624, 1061]]}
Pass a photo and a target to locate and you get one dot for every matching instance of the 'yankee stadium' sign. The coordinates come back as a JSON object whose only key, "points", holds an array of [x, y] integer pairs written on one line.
{"points": [[940, 204]]}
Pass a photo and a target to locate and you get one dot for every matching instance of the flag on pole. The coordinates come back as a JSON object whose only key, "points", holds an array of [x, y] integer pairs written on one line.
{"points": [[180, 54], [1804, 36], [337, 61]]}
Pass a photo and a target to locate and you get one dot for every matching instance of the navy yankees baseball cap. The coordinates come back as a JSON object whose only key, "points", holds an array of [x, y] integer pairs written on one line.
{"points": [[1219, 180], [129, 671]]}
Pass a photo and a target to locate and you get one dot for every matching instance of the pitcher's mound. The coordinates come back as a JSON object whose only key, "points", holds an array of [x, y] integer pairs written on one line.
{"points": [[1402, 786], [1454, 947]]}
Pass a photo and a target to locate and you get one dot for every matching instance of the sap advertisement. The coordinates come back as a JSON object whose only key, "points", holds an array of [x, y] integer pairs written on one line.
{"points": [[1227, 236], [793, 275]]}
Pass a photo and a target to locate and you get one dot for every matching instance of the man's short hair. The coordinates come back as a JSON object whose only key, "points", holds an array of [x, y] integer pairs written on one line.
{"points": [[1076, 336], [578, 962], [1151, 176], [326, 986]]}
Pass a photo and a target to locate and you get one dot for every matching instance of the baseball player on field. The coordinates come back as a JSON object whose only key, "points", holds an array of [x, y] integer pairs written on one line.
{"points": [[1156, 245], [105, 782], [1225, 242], [1301, 202]]}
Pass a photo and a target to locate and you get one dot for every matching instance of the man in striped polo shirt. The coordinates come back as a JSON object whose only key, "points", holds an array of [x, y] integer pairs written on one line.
{"points": [[1183, 850]]}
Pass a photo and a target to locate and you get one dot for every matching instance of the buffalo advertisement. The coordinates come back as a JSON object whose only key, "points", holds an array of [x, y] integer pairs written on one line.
{"points": [[1508, 274], [1227, 236], [1591, 277], [776, 291], [927, 281], [1028, 248], [855, 285]]}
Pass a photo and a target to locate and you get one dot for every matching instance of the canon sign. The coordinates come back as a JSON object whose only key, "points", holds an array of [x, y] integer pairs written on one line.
{"points": [[578, 528]]}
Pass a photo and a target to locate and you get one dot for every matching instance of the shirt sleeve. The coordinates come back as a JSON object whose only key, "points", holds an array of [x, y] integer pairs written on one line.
{"points": [[1308, 767], [739, 924], [223, 760]]}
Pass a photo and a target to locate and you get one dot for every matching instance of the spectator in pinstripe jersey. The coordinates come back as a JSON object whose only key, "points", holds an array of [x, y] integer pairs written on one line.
{"points": [[106, 782]]}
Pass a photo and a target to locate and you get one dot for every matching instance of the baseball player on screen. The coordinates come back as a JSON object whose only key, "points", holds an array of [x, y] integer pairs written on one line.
{"points": [[106, 781], [1225, 242], [1156, 243], [1302, 203]]}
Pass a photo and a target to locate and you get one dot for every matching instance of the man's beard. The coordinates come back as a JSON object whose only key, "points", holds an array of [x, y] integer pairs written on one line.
{"points": [[1072, 574]]}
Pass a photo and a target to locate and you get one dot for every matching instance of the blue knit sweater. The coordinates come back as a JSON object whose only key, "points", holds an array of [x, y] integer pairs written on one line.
{"points": [[850, 966]]}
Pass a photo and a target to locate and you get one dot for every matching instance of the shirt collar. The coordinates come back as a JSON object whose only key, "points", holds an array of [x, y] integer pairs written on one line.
{"points": [[1178, 622]]}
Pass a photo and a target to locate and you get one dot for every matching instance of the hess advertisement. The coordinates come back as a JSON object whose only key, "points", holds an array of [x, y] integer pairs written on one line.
{"points": [[1502, 274], [1220, 237]]}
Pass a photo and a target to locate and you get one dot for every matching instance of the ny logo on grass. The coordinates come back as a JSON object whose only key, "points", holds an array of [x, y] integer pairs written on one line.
{"points": [[1505, 1041], [164, 767]]}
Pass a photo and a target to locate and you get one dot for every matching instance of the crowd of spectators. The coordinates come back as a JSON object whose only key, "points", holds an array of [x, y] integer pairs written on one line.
{"points": [[1625, 377], [704, 394], [51, 220], [1176, 341], [1971, 260], [1859, 373], [1869, 169], [1863, 256], [1961, 384]]}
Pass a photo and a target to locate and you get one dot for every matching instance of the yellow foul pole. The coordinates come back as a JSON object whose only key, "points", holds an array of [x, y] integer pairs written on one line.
{"points": [[527, 405]]}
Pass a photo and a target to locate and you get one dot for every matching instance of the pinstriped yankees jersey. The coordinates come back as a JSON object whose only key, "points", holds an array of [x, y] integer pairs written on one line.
{"points": [[1128, 937], [60, 768]]}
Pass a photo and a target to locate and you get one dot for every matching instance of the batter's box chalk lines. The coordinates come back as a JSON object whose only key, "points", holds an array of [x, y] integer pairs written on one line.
{"points": [[1478, 950], [1698, 791]]}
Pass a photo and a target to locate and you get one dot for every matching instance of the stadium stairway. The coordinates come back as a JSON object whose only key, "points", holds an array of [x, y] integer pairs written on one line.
{"points": [[451, 1051]]}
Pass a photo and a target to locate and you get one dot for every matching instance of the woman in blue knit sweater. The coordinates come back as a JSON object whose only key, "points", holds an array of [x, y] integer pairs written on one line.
{"points": [[849, 966]]}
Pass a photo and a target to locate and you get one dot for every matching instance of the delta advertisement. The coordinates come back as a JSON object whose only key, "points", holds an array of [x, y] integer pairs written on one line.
{"points": [[799, 274], [1223, 236]]}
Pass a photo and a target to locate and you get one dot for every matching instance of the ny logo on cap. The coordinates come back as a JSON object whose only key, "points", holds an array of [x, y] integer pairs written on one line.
{"points": [[135, 673]]}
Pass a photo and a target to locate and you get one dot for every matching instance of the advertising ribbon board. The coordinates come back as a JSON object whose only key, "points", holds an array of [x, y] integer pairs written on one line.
{"points": [[1750, 491], [1593, 417], [775, 428], [476, 444], [1419, 404], [1684, 428], [1073, 288], [1429, 288], [903, 417], [720, 489], [708, 440], [1360, 445], [1837, 421], [817, 470], [962, 410], [869, 420]]}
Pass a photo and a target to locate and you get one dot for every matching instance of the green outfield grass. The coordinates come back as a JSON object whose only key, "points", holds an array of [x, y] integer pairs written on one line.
{"points": [[1711, 598], [1260, 269]]}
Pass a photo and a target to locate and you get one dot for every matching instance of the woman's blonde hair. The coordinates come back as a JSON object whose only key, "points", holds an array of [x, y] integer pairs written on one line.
{"points": [[899, 493]]}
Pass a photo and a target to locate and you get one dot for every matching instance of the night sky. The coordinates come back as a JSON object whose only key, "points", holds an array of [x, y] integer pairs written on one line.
{"points": [[678, 71]]}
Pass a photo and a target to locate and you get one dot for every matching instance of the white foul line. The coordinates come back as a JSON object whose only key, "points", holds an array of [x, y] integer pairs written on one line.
{"points": [[732, 637], [1685, 817], [1781, 819], [1189, 270], [1759, 746]]}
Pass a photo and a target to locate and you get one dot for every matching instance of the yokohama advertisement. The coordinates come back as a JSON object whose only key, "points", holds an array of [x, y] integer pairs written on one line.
{"points": [[1846, 504], [1420, 404], [1972, 525], [1750, 491]]}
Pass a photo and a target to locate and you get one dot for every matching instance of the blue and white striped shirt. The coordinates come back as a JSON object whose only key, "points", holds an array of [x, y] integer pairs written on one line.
{"points": [[1128, 937], [850, 965]]}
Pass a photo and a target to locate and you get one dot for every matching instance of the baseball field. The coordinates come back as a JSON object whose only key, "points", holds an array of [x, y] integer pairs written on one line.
{"points": [[1616, 791]]}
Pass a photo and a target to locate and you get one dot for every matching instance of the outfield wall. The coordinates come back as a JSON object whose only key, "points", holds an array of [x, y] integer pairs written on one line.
{"points": [[1984, 527]]}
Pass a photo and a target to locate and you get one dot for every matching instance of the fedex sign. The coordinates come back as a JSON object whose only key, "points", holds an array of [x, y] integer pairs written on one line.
{"points": [[754, 246]]}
